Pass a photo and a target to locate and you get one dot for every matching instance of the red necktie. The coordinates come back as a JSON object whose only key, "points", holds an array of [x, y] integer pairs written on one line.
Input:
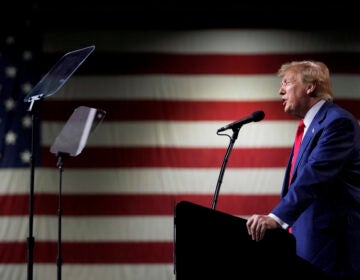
{"points": [[298, 138]]}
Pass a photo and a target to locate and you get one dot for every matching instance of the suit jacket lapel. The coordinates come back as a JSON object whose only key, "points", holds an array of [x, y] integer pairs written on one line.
{"points": [[311, 132]]}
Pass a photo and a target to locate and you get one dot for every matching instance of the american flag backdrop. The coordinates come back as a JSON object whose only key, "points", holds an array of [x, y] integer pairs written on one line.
{"points": [[165, 94]]}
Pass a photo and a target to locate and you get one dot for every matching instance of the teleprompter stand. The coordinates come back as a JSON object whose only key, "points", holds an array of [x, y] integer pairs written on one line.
{"points": [[51, 83], [70, 142]]}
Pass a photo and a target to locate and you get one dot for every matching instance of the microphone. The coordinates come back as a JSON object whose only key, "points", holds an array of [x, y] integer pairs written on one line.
{"points": [[254, 117]]}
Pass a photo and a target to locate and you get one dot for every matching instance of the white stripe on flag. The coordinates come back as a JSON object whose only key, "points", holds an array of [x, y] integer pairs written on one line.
{"points": [[91, 272], [143, 181], [180, 87], [88, 229], [208, 41], [181, 134]]}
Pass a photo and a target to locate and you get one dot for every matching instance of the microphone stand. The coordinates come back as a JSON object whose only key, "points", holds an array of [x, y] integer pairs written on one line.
{"points": [[221, 175]]}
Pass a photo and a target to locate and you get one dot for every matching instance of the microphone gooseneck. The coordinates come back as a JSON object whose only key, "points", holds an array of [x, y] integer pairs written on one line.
{"points": [[254, 117]]}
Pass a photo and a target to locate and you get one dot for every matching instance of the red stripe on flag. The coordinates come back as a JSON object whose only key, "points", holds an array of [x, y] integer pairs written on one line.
{"points": [[200, 64], [137, 204], [90, 252], [146, 110], [131, 157]]}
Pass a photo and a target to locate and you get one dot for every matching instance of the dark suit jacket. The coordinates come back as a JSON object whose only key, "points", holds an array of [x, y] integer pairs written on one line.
{"points": [[322, 204]]}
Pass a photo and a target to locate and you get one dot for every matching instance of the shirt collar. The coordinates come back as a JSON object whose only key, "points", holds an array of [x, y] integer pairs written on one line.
{"points": [[312, 112]]}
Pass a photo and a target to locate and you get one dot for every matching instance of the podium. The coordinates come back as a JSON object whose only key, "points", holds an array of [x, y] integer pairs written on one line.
{"points": [[210, 244]]}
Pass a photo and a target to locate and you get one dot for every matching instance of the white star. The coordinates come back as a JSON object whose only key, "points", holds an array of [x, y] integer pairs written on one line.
{"points": [[26, 121], [10, 40], [10, 71], [27, 55], [26, 87], [9, 104], [25, 156], [10, 138]]}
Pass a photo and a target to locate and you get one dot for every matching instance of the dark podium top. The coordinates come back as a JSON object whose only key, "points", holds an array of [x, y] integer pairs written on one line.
{"points": [[210, 244]]}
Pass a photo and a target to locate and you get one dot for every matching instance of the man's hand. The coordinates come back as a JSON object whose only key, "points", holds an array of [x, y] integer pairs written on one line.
{"points": [[258, 224]]}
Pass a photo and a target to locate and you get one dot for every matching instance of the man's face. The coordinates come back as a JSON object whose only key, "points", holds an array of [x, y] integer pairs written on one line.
{"points": [[293, 94]]}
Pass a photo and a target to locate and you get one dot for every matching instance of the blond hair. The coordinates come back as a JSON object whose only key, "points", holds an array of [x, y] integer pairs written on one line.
{"points": [[311, 72]]}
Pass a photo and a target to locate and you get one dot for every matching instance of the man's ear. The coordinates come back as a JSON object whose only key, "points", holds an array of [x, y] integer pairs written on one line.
{"points": [[310, 88]]}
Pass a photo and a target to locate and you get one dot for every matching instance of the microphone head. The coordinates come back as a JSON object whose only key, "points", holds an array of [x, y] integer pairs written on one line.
{"points": [[258, 116]]}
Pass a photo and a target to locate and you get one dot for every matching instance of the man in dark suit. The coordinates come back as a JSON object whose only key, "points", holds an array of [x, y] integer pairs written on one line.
{"points": [[320, 204]]}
